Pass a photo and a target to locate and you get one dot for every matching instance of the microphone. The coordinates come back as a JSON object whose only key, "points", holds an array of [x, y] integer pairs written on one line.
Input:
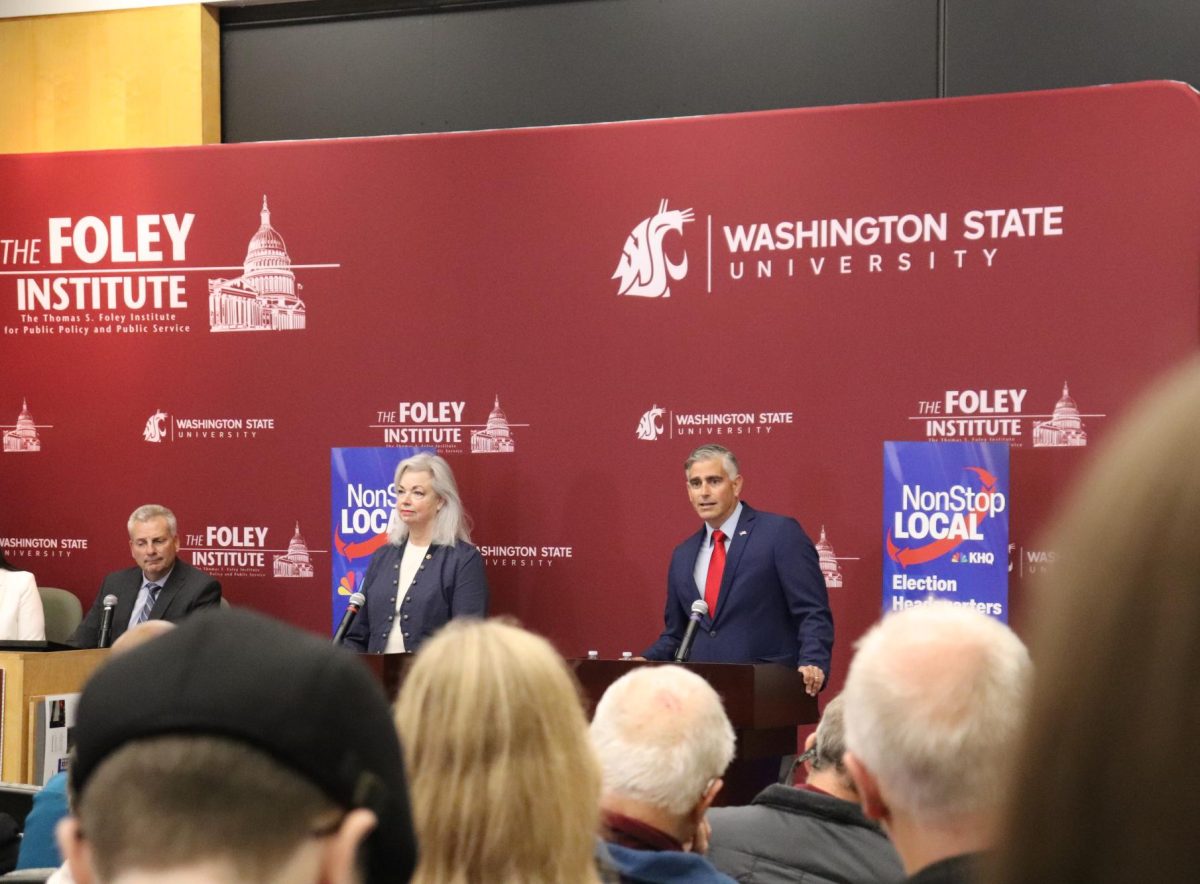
{"points": [[356, 601], [110, 603], [699, 609]]}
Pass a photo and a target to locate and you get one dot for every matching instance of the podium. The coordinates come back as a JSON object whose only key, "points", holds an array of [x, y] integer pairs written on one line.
{"points": [[25, 675], [765, 703]]}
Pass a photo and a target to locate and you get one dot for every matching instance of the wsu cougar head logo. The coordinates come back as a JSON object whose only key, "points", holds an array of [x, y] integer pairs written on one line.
{"points": [[154, 431], [650, 426], [644, 268]]}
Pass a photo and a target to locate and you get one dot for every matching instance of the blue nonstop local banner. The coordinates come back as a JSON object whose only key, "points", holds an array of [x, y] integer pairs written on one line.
{"points": [[364, 504], [945, 525]]}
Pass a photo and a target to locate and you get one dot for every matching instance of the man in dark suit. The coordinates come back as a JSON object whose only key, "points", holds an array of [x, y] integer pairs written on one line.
{"points": [[161, 587], [757, 571]]}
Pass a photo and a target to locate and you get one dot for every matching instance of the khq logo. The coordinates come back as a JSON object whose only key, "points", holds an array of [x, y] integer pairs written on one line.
{"points": [[650, 425], [644, 269]]}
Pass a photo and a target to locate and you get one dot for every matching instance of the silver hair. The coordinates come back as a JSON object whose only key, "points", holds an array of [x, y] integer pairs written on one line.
{"points": [[148, 511], [451, 522], [712, 451], [662, 737], [935, 700], [831, 737]]}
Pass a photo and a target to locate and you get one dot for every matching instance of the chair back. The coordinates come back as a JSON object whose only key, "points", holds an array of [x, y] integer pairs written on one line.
{"points": [[62, 612]]}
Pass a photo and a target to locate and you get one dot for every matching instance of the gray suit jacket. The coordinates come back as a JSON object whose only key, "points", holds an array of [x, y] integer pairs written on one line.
{"points": [[187, 589]]}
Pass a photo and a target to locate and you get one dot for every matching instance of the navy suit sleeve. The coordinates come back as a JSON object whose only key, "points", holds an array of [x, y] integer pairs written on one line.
{"points": [[469, 595], [674, 622], [808, 600], [359, 633]]}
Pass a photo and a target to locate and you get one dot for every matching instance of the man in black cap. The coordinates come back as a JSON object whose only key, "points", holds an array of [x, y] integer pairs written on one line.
{"points": [[235, 750]]}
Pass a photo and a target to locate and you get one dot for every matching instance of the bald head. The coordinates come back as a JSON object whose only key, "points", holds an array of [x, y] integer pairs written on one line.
{"points": [[934, 700], [662, 737], [140, 634]]}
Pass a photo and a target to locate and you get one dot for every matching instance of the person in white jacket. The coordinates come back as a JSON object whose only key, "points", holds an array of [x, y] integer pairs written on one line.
{"points": [[21, 616]]}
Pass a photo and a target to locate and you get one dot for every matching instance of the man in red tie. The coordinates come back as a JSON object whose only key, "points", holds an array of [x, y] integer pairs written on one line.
{"points": [[757, 571]]}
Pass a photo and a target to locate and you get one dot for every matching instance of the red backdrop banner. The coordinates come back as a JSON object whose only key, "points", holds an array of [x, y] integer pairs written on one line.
{"points": [[565, 313]]}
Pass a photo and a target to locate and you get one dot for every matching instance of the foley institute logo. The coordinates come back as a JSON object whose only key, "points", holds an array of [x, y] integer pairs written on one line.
{"points": [[264, 297], [999, 415], [23, 435], [441, 425], [242, 551], [645, 270]]}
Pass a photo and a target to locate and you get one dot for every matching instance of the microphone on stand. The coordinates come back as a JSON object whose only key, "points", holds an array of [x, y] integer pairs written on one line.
{"points": [[110, 604], [699, 609], [356, 602]]}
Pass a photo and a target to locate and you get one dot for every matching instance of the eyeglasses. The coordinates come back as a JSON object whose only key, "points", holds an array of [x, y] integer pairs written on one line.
{"points": [[807, 755]]}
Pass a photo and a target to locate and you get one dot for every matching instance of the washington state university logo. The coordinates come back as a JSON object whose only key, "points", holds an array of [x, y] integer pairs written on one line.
{"points": [[644, 268], [155, 430], [650, 426]]}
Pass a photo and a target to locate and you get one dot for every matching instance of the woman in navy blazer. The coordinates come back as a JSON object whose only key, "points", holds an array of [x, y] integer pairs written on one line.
{"points": [[429, 572]]}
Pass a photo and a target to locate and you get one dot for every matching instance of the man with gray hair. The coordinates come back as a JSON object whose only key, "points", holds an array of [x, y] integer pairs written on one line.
{"points": [[935, 701], [758, 575], [664, 742], [814, 832], [160, 587]]}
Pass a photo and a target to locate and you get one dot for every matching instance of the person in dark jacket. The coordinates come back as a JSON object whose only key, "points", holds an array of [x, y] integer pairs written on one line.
{"points": [[429, 573], [815, 833]]}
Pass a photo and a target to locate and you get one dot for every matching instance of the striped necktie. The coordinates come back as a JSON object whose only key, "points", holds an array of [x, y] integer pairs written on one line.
{"points": [[153, 589]]}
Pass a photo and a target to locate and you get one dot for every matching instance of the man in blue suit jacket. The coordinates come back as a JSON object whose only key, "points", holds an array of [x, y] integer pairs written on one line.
{"points": [[772, 606]]}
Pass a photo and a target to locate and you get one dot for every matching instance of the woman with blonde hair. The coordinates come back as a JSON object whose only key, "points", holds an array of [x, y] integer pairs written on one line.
{"points": [[1104, 788], [429, 572], [503, 781]]}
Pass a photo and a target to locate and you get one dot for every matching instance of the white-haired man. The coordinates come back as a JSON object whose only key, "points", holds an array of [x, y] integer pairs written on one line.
{"points": [[812, 832], [935, 700], [160, 587], [664, 743]]}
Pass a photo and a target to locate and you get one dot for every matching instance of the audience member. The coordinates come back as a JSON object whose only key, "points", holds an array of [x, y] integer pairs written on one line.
{"points": [[935, 699], [505, 787], [161, 587], [236, 750], [21, 616], [1104, 790], [664, 743], [813, 833], [39, 850]]}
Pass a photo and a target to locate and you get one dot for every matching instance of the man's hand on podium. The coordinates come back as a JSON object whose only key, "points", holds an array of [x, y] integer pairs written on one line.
{"points": [[813, 679]]}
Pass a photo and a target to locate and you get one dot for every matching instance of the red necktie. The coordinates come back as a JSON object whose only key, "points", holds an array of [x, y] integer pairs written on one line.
{"points": [[716, 568]]}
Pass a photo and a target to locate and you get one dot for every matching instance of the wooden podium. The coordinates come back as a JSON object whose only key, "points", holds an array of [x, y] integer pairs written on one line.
{"points": [[765, 703], [25, 675]]}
